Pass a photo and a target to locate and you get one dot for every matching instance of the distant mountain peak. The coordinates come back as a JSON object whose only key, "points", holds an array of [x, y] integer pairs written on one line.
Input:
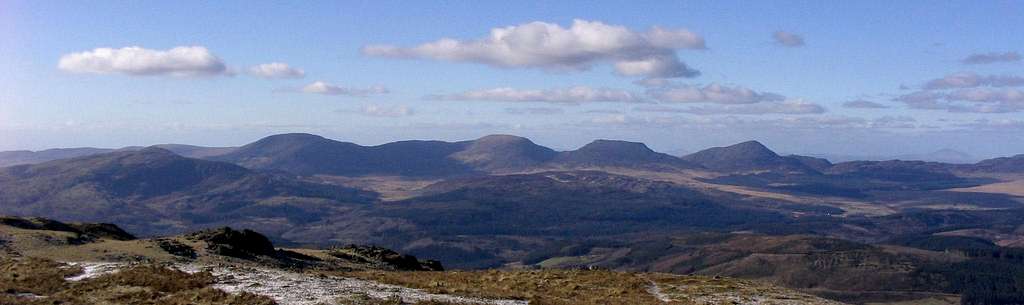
{"points": [[503, 152], [292, 137], [616, 146], [746, 156], [501, 138], [620, 153], [752, 148]]}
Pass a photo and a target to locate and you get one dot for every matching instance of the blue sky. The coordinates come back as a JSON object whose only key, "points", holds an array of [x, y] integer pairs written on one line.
{"points": [[751, 84]]}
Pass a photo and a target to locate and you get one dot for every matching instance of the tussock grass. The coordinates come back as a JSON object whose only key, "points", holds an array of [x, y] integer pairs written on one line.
{"points": [[143, 285], [33, 275], [540, 287]]}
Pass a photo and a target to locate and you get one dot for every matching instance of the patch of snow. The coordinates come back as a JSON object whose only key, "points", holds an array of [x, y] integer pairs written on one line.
{"points": [[292, 288], [92, 269]]}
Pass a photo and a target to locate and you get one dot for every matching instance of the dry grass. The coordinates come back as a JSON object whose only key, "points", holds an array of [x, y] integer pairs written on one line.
{"points": [[1013, 188], [33, 275], [717, 290], [144, 285], [362, 299], [547, 287], [594, 287]]}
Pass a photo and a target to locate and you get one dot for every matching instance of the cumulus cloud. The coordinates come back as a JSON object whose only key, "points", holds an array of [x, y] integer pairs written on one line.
{"points": [[179, 61], [785, 107], [550, 46], [571, 95], [788, 39], [732, 122], [971, 79], [276, 70], [534, 111], [320, 87], [713, 93], [864, 104], [992, 57]]}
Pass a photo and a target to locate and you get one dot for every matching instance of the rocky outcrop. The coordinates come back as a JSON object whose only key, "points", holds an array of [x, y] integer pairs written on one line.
{"points": [[384, 257], [229, 242]]}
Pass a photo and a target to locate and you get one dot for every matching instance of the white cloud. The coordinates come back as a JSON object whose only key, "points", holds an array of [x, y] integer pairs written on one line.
{"points": [[788, 39], [992, 57], [864, 104], [772, 125], [552, 47], [320, 87], [179, 61], [713, 93], [386, 111], [534, 111], [969, 92], [971, 80], [994, 124], [976, 100], [276, 70], [785, 107], [571, 95]]}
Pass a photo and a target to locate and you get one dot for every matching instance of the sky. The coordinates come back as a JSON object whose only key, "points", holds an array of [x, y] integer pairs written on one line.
{"points": [[813, 77]]}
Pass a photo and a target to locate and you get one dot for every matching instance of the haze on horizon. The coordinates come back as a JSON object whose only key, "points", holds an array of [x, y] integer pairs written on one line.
{"points": [[859, 78]]}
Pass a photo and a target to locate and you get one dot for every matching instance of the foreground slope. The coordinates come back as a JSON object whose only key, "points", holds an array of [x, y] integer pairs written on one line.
{"points": [[225, 266]]}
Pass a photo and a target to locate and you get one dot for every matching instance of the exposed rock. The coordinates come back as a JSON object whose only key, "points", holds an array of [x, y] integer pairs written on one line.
{"points": [[86, 231], [36, 223], [385, 257], [103, 230], [229, 242], [176, 248]]}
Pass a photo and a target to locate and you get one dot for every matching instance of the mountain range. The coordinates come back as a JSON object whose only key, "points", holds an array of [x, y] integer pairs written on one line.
{"points": [[307, 154], [503, 200]]}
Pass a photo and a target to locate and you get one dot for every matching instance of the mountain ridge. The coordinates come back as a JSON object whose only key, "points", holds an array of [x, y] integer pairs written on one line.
{"points": [[309, 154]]}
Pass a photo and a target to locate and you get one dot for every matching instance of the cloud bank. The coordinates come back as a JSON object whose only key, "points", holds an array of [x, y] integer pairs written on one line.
{"points": [[971, 80], [713, 93], [552, 47], [969, 92], [785, 107], [179, 61], [571, 95]]}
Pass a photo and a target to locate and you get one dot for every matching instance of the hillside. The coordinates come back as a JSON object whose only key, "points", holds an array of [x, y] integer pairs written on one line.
{"points": [[226, 266], [306, 154], [503, 153], [613, 153], [833, 268], [748, 156], [1013, 164], [18, 157], [155, 191]]}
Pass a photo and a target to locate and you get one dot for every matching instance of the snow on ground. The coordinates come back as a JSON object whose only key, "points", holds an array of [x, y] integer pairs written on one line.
{"points": [[91, 270], [293, 288]]}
